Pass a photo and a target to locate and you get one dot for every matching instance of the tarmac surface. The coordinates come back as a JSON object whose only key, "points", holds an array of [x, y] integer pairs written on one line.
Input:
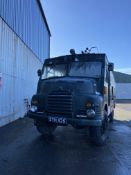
{"points": [[23, 151]]}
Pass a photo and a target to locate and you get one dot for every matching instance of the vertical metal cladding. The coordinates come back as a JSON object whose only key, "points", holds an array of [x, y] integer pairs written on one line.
{"points": [[18, 66], [24, 43], [25, 18]]}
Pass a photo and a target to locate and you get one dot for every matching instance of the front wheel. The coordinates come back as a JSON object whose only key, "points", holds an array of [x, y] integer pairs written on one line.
{"points": [[45, 128], [99, 134]]}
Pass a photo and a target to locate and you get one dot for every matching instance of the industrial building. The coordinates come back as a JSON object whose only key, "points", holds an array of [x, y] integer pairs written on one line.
{"points": [[123, 87], [24, 44]]}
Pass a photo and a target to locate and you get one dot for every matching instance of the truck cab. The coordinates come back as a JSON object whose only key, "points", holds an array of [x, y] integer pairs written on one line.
{"points": [[76, 89]]}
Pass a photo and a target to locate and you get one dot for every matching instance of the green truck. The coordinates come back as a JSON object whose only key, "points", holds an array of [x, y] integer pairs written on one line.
{"points": [[75, 89]]}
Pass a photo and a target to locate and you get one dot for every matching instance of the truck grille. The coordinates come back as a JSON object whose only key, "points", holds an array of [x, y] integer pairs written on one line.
{"points": [[60, 104]]}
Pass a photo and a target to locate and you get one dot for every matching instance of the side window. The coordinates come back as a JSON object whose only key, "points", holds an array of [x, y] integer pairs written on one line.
{"points": [[107, 76]]}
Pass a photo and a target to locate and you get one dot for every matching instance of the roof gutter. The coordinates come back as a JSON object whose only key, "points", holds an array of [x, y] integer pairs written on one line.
{"points": [[43, 15]]}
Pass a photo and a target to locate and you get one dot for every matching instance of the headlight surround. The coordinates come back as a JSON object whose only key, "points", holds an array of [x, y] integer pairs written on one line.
{"points": [[33, 108], [90, 113]]}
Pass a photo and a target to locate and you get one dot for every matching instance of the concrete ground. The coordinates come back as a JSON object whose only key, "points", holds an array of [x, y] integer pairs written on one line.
{"points": [[23, 151]]}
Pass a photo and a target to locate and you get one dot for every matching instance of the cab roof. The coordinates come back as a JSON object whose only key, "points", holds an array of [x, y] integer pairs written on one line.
{"points": [[77, 57]]}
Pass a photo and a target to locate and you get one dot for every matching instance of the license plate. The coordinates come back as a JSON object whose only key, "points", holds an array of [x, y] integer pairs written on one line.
{"points": [[57, 120]]}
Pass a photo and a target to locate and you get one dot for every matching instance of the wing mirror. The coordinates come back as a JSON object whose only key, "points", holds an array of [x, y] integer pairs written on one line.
{"points": [[39, 72], [111, 67]]}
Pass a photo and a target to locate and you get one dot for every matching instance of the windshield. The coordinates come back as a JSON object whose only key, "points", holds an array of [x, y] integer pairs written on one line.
{"points": [[57, 70], [80, 69], [85, 69]]}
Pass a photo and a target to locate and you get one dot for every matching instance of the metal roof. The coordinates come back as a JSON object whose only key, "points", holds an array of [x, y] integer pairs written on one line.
{"points": [[43, 15], [122, 77]]}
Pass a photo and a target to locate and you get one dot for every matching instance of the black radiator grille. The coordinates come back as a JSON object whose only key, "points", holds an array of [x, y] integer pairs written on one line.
{"points": [[60, 104]]}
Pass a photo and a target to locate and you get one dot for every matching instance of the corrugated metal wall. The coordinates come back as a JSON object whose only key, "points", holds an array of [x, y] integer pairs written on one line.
{"points": [[123, 90], [18, 66], [25, 18]]}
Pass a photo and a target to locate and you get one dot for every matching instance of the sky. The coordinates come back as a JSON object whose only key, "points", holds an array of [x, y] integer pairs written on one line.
{"points": [[78, 24]]}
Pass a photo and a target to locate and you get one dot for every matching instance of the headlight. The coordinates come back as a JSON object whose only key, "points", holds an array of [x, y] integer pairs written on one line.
{"points": [[33, 108], [90, 113]]}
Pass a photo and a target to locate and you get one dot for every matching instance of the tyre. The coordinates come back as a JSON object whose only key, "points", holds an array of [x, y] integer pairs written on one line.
{"points": [[99, 134], [111, 117], [45, 128]]}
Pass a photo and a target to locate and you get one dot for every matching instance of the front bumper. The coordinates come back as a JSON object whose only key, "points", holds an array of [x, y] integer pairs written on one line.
{"points": [[72, 121]]}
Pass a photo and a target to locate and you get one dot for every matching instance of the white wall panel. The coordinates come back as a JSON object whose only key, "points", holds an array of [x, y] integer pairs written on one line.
{"points": [[18, 66], [123, 90]]}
